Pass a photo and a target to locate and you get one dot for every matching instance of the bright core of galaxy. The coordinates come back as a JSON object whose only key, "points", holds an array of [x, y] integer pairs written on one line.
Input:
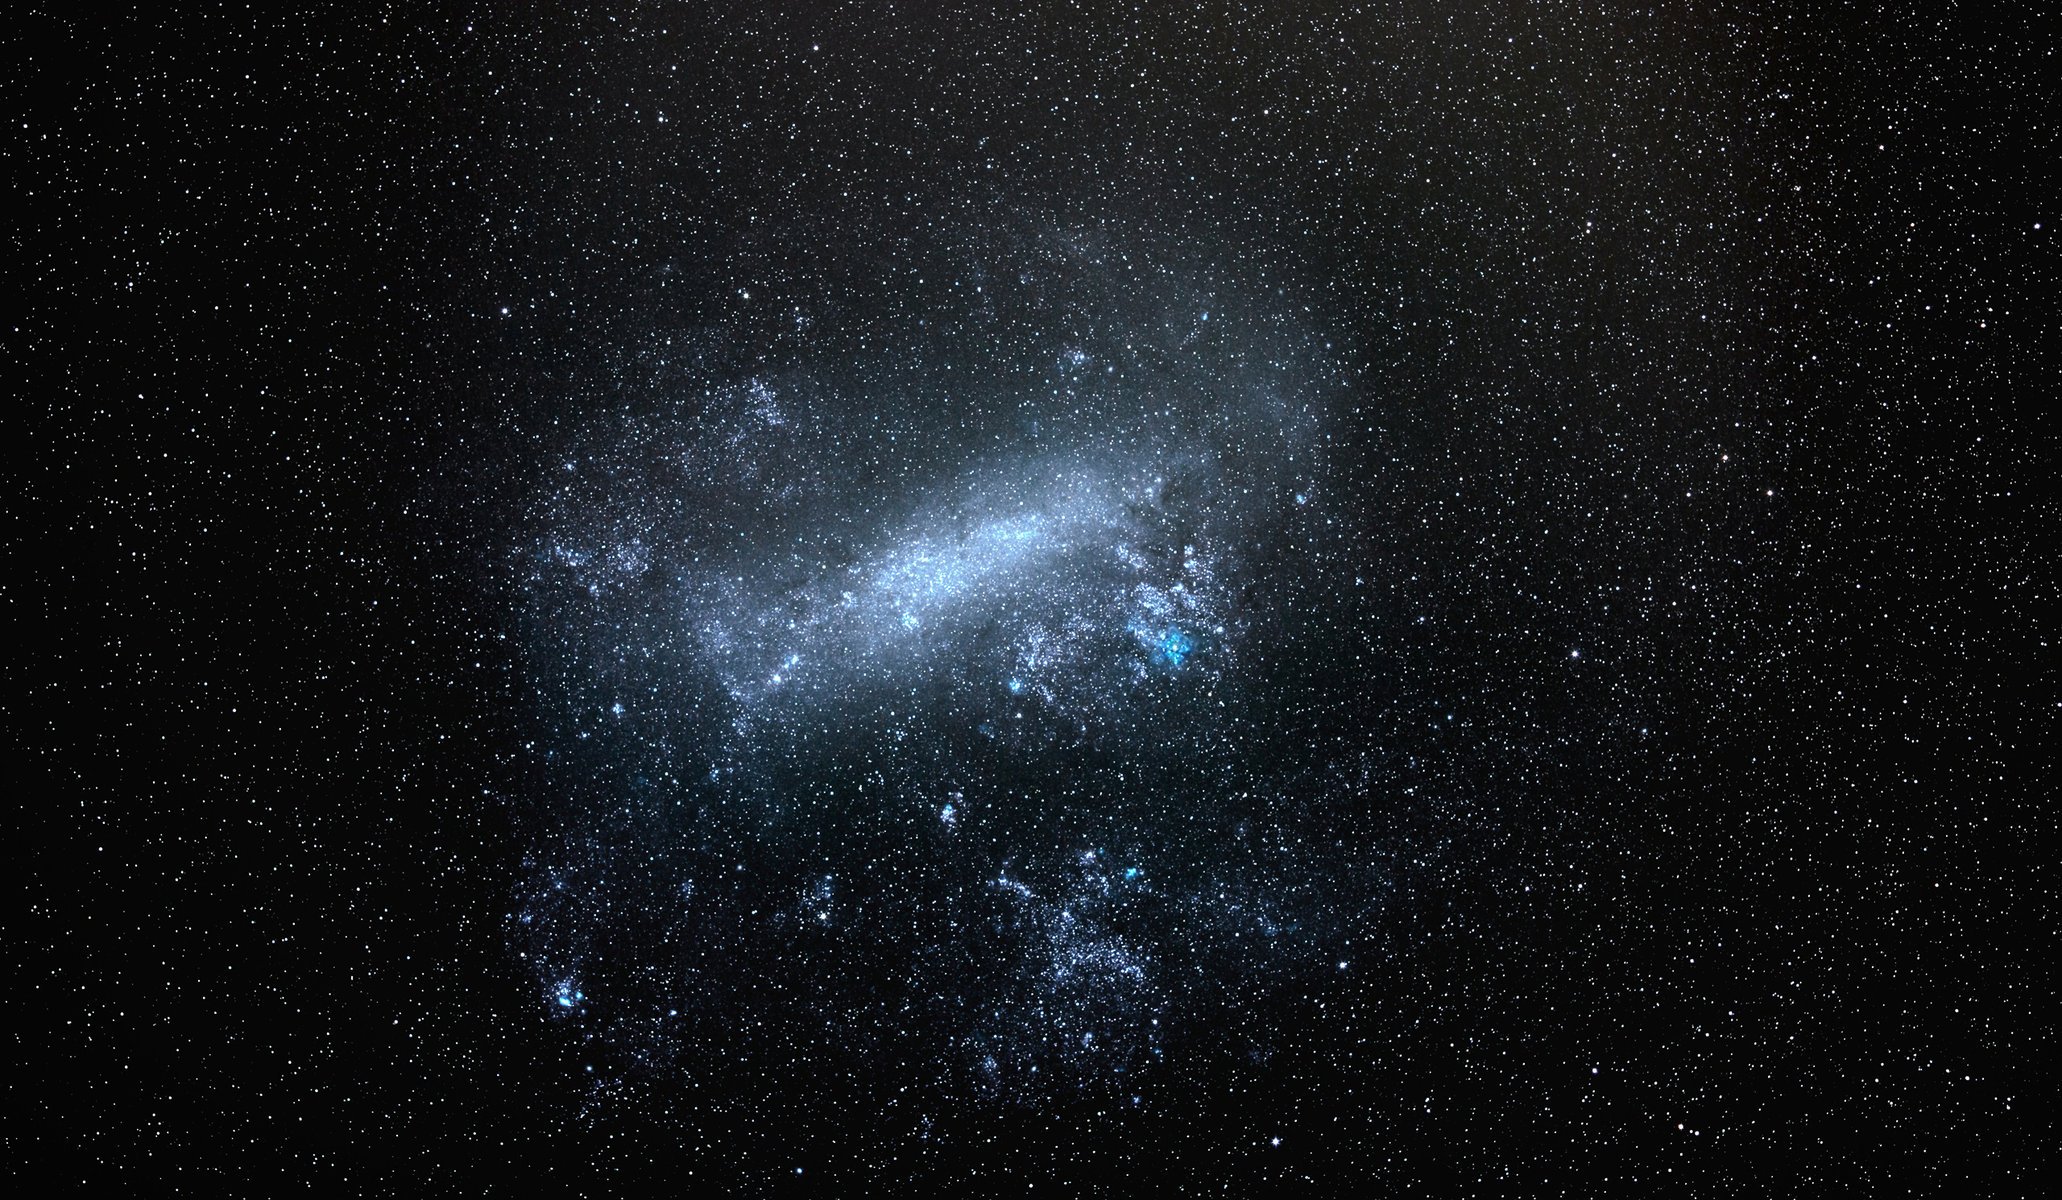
{"points": [[896, 689]]}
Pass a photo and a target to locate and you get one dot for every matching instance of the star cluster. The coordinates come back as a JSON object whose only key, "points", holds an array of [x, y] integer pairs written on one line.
{"points": [[1015, 658]]}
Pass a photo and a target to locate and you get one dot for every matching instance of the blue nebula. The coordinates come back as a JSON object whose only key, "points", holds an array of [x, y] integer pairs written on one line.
{"points": [[1173, 647]]}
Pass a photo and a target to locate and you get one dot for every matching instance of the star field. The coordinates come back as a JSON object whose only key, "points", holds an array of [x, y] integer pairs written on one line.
{"points": [[863, 598]]}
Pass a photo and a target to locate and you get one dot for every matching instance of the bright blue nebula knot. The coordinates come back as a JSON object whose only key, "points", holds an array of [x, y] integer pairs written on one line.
{"points": [[1173, 647]]}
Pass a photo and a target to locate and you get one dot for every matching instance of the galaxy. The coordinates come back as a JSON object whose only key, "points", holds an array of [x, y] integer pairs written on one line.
{"points": [[984, 688], [882, 598]]}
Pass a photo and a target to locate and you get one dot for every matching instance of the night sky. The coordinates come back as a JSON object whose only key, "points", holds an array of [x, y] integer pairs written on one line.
{"points": [[1396, 598]]}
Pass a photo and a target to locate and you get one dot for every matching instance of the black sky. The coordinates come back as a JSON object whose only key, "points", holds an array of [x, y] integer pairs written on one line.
{"points": [[1674, 386]]}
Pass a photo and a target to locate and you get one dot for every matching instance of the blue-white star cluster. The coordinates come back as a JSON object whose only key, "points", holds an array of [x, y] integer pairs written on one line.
{"points": [[1018, 661]]}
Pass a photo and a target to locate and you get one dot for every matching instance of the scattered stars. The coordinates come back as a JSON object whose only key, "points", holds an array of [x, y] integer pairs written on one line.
{"points": [[902, 436]]}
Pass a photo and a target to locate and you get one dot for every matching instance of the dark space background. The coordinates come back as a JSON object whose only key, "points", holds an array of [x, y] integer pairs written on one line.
{"points": [[1686, 375]]}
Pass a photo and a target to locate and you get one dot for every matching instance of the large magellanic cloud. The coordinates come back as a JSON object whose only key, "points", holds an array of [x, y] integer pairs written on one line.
{"points": [[934, 658]]}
